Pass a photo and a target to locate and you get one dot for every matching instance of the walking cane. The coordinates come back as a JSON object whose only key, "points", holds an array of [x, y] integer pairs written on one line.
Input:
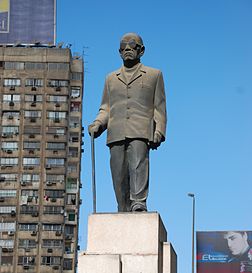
{"points": [[93, 172]]}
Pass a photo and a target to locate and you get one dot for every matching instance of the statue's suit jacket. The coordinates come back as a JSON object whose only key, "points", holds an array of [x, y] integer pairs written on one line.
{"points": [[133, 109]]}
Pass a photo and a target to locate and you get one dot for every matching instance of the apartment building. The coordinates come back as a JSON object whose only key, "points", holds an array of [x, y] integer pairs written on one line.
{"points": [[40, 152]]}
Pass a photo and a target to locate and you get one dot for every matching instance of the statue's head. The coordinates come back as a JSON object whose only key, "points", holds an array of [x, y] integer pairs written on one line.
{"points": [[131, 48]]}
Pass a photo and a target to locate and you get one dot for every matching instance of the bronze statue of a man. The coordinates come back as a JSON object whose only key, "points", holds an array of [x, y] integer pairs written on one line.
{"points": [[133, 110]]}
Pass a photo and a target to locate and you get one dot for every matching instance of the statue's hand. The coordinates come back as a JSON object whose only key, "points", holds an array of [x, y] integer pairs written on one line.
{"points": [[156, 140], [95, 129]]}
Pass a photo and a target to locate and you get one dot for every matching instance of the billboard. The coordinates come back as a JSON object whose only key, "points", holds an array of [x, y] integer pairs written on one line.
{"points": [[27, 21], [224, 251]]}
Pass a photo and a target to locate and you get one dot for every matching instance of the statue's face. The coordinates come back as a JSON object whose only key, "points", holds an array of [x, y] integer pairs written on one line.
{"points": [[131, 47]]}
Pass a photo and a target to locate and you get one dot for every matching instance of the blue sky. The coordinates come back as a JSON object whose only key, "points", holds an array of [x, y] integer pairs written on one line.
{"points": [[204, 49]]}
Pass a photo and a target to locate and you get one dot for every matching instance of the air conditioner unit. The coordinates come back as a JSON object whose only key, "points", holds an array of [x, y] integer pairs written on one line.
{"points": [[69, 237], [10, 117], [80, 201], [58, 88], [2, 178], [1, 199], [23, 183], [31, 136], [12, 88], [56, 136], [49, 183], [29, 199], [58, 233], [13, 213], [11, 103], [35, 214], [9, 151], [33, 88], [49, 250], [11, 233], [53, 199], [48, 166], [31, 151], [33, 104], [33, 120], [57, 104], [26, 266], [27, 250], [55, 267], [34, 233], [57, 120], [4, 135]]}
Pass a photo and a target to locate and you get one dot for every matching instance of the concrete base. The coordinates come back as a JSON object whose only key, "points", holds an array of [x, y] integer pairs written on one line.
{"points": [[127, 243]]}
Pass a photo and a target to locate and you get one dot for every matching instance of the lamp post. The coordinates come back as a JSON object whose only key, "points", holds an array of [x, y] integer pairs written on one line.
{"points": [[193, 228]]}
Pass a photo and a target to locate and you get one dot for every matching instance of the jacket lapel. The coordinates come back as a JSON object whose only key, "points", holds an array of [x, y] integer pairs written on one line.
{"points": [[138, 73]]}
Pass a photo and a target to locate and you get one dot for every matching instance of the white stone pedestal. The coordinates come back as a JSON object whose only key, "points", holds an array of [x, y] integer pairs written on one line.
{"points": [[127, 243]]}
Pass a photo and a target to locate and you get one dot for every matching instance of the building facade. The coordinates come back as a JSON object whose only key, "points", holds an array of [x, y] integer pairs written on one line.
{"points": [[40, 151]]}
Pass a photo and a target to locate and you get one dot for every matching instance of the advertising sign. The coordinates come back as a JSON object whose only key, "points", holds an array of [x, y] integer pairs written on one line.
{"points": [[224, 252], [27, 21]]}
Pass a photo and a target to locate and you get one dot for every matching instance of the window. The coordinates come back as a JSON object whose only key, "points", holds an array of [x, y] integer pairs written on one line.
{"points": [[32, 114], [57, 83], [73, 152], [9, 161], [75, 106], [51, 260], [10, 130], [68, 248], [53, 210], [32, 145], [7, 210], [28, 227], [71, 199], [71, 215], [6, 243], [7, 260], [14, 65], [75, 92], [56, 115], [76, 76], [28, 209], [52, 243], [11, 114], [35, 66], [56, 99], [8, 193], [33, 98], [12, 82], [74, 137], [26, 260], [52, 227], [72, 183], [31, 193], [55, 161], [8, 177], [9, 146], [4, 226], [30, 177], [31, 161], [11, 97], [72, 167], [55, 178], [26, 243], [74, 122], [34, 82], [55, 193], [56, 146], [69, 230], [58, 66]]}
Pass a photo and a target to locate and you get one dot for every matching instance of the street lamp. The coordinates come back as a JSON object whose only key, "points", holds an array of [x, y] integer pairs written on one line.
{"points": [[193, 228]]}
